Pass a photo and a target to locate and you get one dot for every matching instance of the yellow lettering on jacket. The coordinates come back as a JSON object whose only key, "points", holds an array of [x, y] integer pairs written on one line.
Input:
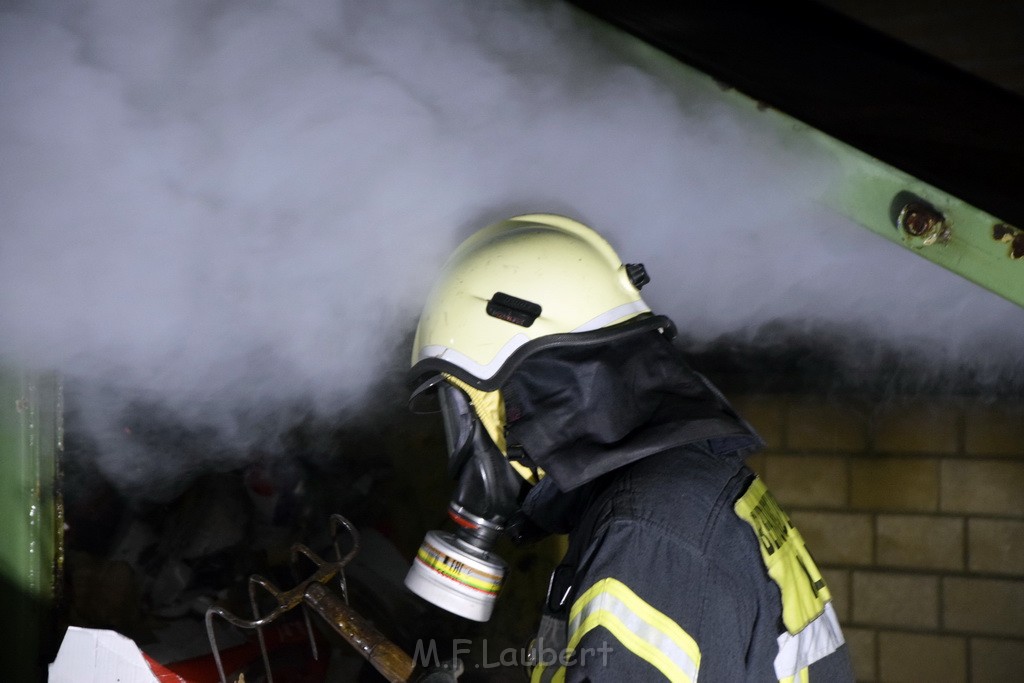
{"points": [[787, 560]]}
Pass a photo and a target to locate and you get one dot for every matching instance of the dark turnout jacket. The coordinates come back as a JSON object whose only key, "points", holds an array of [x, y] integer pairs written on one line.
{"points": [[681, 566]]}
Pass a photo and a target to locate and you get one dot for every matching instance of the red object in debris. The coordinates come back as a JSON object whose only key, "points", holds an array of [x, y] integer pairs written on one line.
{"points": [[163, 674]]}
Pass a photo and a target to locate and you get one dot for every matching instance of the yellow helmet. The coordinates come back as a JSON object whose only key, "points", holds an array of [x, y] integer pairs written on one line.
{"points": [[515, 283]]}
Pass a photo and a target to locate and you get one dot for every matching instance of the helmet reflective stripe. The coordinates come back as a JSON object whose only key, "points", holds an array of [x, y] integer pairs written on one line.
{"points": [[470, 365], [555, 263], [617, 314], [611, 317]]}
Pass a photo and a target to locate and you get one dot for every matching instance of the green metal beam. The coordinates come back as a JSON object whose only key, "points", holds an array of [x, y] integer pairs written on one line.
{"points": [[949, 232], [31, 519], [935, 225]]}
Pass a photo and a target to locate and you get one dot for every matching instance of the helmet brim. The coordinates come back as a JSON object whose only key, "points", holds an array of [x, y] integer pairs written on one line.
{"points": [[424, 376]]}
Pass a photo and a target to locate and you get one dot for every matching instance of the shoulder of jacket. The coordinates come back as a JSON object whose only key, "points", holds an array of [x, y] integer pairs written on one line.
{"points": [[681, 493]]}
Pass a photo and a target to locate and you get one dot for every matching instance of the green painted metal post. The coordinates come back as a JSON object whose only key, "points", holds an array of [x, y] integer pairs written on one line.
{"points": [[31, 521]]}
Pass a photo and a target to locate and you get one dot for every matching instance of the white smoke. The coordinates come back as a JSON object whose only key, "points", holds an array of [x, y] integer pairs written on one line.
{"points": [[218, 202]]}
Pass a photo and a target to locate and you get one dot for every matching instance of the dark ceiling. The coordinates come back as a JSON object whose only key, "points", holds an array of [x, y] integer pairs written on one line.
{"points": [[982, 37]]}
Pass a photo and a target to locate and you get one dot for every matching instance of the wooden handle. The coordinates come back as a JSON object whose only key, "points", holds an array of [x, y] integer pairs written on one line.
{"points": [[386, 657]]}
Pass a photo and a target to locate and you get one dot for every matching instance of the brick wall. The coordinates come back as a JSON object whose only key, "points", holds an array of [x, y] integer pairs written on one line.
{"points": [[915, 513]]}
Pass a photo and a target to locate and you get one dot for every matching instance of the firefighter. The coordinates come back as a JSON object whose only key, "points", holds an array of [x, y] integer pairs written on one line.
{"points": [[568, 409]]}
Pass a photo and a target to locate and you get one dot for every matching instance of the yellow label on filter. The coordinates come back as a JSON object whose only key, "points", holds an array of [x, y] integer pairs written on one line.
{"points": [[458, 571]]}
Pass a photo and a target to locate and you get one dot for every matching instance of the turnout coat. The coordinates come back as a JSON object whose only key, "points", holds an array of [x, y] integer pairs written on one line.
{"points": [[681, 565]]}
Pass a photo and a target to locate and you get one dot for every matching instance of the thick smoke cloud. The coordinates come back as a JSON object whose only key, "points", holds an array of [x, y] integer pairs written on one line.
{"points": [[213, 204]]}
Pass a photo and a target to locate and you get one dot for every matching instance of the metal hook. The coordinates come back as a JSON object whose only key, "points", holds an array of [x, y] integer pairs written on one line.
{"points": [[287, 600]]}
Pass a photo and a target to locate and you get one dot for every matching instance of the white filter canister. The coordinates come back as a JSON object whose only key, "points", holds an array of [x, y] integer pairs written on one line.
{"points": [[454, 579]]}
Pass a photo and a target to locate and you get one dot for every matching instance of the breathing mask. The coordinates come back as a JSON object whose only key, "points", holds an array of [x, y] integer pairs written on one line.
{"points": [[457, 570]]}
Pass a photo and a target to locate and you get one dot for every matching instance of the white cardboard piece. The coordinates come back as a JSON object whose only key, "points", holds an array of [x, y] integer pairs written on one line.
{"points": [[89, 655]]}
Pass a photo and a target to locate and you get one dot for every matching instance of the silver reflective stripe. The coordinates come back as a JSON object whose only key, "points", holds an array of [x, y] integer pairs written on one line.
{"points": [[642, 629], [820, 638], [488, 370], [463, 361], [613, 316]]}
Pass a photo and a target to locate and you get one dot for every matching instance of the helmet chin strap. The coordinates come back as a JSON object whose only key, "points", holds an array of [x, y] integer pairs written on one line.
{"points": [[457, 571]]}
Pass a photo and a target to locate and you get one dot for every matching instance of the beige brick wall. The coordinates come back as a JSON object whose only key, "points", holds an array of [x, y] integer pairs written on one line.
{"points": [[996, 661], [914, 658], [916, 427], [838, 582], [863, 645], [915, 512], [815, 426], [994, 430], [996, 546], [888, 599], [920, 541], [987, 487], [808, 481], [836, 538], [991, 606], [887, 483]]}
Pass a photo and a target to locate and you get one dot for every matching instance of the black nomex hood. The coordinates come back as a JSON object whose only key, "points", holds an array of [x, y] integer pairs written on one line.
{"points": [[581, 412]]}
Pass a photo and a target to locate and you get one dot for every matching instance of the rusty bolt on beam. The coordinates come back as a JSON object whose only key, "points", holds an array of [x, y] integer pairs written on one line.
{"points": [[1001, 232], [923, 221]]}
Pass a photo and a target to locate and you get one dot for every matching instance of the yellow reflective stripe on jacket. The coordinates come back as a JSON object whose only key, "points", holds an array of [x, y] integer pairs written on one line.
{"points": [[642, 629], [803, 676]]}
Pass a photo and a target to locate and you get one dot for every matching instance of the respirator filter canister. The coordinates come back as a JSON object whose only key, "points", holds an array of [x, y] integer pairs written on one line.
{"points": [[456, 576]]}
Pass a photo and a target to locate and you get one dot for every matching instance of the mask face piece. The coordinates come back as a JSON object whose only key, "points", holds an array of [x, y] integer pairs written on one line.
{"points": [[457, 571], [458, 416]]}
